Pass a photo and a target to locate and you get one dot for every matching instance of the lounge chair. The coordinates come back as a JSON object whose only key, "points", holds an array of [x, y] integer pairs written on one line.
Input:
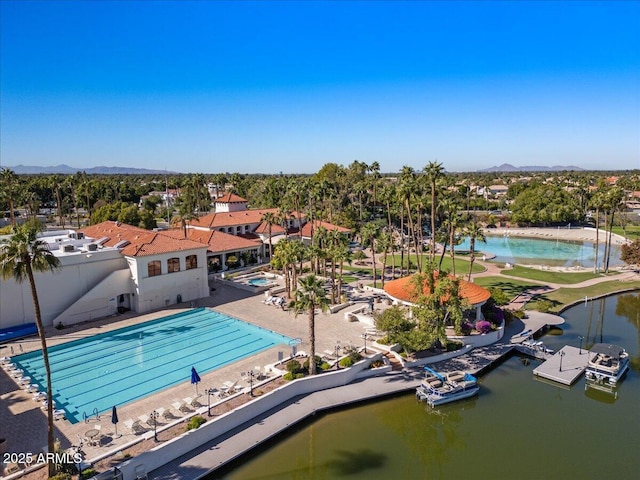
{"points": [[134, 426], [192, 402], [269, 300], [58, 414], [145, 419], [39, 396], [228, 388], [181, 407], [168, 414]]}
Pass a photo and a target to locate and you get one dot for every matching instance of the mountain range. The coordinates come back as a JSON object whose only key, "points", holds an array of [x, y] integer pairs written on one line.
{"points": [[506, 167], [67, 170]]}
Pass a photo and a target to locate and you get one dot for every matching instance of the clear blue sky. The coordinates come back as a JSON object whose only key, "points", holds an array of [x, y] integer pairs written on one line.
{"points": [[288, 86]]}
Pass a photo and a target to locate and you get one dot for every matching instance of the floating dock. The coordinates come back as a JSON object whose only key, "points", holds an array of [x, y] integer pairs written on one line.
{"points": [[565, 366]]}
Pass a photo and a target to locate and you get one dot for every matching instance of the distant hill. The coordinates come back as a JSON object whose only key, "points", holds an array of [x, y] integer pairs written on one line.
{"points": [[506, 167], [67, 170]]}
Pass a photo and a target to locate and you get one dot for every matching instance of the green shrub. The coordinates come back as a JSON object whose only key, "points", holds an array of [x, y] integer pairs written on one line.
{"points": [[325, 366], [294, 367], [377, 364], [305, 365], [195, 422], [346, 362], [292, 376], [88, 473], [543, 306], [61, 476]]}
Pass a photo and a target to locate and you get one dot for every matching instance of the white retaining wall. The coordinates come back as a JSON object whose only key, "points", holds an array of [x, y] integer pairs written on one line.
{"points": [[183, 444]]}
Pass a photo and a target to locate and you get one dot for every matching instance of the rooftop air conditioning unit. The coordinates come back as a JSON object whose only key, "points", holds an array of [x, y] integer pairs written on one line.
{"points": [[92, 247], [69, 248], [80, 235]]}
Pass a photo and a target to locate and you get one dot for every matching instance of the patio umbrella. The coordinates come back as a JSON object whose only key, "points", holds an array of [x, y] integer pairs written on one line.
{"points": [[114, 418], [195, 378]]}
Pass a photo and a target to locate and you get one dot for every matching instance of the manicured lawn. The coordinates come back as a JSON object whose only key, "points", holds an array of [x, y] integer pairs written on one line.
{"points": [[551, 276], [462, 264], [564, 296], [511, 287], [633, 231]]}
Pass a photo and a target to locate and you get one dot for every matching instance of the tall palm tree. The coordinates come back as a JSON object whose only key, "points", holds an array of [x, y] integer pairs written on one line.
{"points": [[474, 232], [271, 219], [21, 256], [434, 171], [310, 296], [369, 234], [10, 190]]}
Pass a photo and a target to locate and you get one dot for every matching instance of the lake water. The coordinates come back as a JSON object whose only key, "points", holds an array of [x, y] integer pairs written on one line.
{"points": [[518, 427], [543, 251]]}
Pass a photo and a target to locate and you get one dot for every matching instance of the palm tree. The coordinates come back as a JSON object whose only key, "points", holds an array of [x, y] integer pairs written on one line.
{"points": [[271, 220], [310, 296], [474, 232], [20, 256], [10, 189], [434, 172], [369, 234]]}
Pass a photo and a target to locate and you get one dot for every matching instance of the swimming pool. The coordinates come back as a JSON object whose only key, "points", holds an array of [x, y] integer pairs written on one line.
{"points": [[118, 367], [259, 281], [536, 251]]}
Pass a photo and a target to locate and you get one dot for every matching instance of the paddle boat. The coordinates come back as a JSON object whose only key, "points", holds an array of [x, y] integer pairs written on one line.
{"points": [[438, 389], [607, 363]]}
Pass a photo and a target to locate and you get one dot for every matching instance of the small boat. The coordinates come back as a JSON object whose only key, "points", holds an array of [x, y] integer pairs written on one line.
{"points": [[438, 389], [607, 363]]}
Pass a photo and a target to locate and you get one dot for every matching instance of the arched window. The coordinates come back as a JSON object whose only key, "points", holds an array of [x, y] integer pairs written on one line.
{"points": [[154, 268], [192, 261], [173, 265]]}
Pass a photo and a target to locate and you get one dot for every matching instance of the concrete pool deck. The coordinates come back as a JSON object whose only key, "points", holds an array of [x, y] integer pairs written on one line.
{"points": [[24, 423], [586, 234]]}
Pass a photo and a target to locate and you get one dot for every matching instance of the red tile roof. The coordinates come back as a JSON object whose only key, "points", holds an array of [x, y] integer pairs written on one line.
{"points": [[402, 289], [263, 228], [141, 242], [218, 242], [230, 198], [306, 228], [232, 219]]}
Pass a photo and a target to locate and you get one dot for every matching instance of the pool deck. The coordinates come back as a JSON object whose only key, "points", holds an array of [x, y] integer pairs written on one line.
{"points": [[25, 423]]}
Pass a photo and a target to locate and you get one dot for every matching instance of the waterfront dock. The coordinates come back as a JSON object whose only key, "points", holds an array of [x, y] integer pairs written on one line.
{"points": [[565, 366], [535, 322]]}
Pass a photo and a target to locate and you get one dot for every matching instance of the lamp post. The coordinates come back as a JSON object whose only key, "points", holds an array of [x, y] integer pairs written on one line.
{"points": [[580, 337], [365, 335], [155, 416], [338, 347], [562, 354], [251, 375], [209, 392]]}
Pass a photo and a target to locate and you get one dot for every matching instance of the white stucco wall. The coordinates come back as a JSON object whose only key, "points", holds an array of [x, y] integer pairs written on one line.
{"points": [[159, 291], [57, 291]]}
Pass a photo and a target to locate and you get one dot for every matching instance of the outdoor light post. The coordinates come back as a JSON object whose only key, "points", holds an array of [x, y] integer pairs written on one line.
{"points": [[251, 374], [155, 416], [561, 356], [338, 348], [581, 338], [365, 336], [209, 392]]}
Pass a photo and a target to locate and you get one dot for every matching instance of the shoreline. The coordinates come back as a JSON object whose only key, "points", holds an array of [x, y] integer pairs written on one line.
{"points": [[581, 234]]}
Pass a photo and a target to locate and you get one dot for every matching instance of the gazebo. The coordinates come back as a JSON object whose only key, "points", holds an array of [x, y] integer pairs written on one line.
{"points": [[402, 291]]}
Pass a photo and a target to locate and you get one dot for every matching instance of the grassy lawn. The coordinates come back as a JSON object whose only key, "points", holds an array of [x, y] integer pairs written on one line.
{"points": [[462, 265], [558, 298], [551, 276], [564, 296], [633, 231], [510, 286]]}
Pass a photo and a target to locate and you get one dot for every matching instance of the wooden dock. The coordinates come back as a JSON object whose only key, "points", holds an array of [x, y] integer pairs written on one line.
{"points": [[565, 366]]}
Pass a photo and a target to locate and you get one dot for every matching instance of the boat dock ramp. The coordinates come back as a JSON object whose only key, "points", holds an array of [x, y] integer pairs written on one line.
{"points": [[565, 366]]}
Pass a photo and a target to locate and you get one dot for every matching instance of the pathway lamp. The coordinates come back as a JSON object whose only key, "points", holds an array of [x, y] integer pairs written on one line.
{"points": [[562, 354], [251, 375], [209, 392], [581, 338], [338, 347], [154, 415]]}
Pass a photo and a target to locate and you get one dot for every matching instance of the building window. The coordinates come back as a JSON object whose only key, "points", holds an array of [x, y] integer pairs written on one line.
{"points": [[153, 268], [173, 265], [192, 261]]}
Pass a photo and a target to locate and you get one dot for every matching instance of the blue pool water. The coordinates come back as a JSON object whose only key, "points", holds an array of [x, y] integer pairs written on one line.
{"points": [[118, 367], [519, 250], [258, 282]]}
